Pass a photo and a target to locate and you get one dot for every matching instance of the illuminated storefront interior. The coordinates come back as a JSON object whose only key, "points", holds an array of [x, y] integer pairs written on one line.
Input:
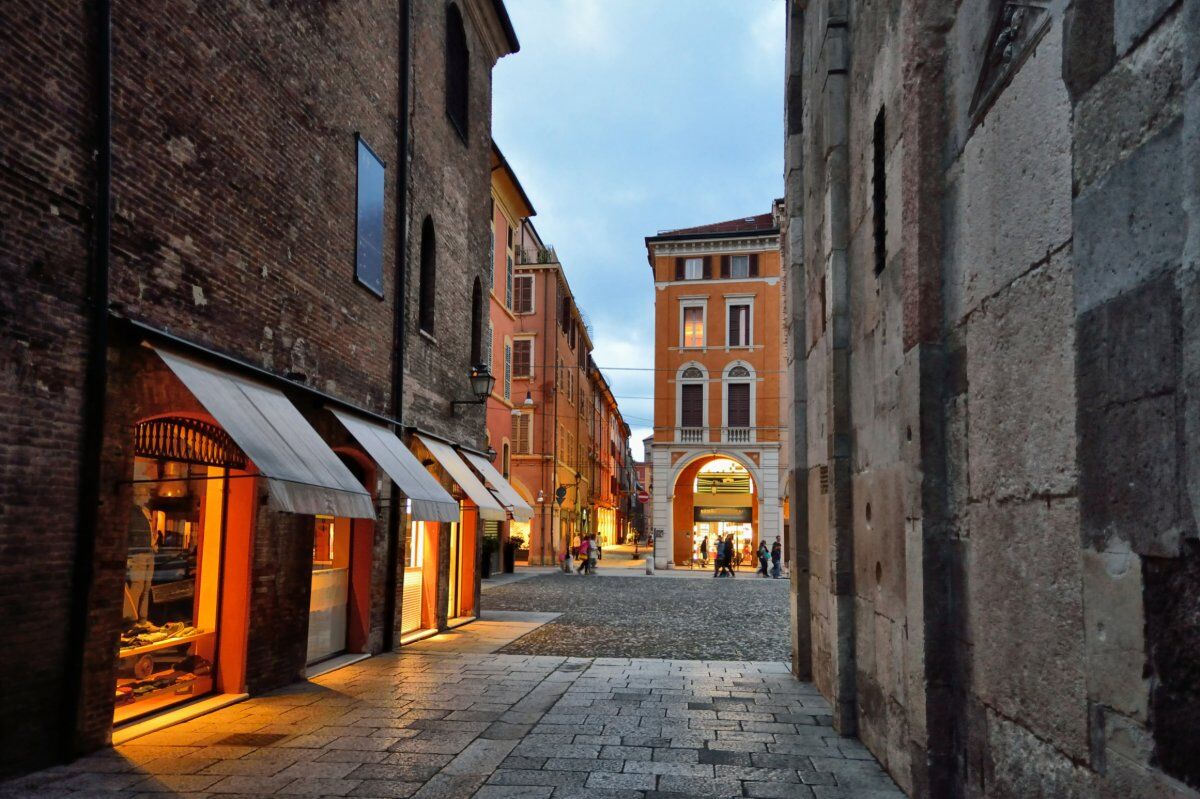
{"points": [[723, 506]]}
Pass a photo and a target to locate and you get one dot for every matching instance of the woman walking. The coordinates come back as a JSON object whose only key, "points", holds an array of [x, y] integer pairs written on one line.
{"points": [[764, 555], [730, 554], [718, 560], [584, 546]]}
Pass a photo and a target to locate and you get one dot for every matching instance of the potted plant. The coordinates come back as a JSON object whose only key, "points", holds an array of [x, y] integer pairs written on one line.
{"points": [[514, 550]]}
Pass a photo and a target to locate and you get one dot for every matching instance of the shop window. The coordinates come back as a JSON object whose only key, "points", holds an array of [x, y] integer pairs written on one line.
{"points": [[368, 247], [171, 595], [428, 288], [458, 72]]}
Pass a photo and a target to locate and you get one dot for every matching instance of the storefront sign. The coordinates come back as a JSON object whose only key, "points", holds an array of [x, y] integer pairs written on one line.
{"points": [[722, 515]]}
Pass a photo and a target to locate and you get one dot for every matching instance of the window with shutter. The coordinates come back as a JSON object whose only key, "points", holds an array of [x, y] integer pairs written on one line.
{"points": [[739, 326], [523, 433], [523, 357], [508, 283], [706, 269], [754, 264], [740, 266], [692, 412], [523, 294], [508, 371], [738, 414], [680, 268]]}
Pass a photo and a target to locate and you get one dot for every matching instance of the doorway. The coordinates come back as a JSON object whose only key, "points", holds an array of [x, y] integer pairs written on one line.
{"points": [[329, 602]]}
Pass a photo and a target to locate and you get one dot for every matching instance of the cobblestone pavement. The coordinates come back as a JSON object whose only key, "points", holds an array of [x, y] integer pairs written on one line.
{"points": [[744, 618], [494, 726]]}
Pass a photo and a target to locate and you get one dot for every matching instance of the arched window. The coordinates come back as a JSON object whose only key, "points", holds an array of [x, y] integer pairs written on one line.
{"points": [[458, 73], [691, 404], [738, 389], [477, 325], [426, 312]]}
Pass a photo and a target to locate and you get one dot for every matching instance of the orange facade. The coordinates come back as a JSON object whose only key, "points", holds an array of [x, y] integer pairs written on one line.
{"points": [[552, 418], [719, 388]]}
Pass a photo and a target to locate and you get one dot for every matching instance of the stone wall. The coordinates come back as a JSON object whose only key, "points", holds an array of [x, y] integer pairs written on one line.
{"points": [[995, 387]]}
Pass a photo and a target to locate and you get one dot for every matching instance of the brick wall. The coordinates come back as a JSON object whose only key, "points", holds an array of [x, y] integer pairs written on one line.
{"points": [[45, 196], [234, 192], [451, 183]]}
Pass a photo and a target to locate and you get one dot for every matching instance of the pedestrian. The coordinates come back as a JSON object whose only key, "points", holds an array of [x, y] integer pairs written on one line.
{"points": [[704, 552], [730, 554], [593, 555], [776, 556], [764, 555], [583, 556], [719, 557]]}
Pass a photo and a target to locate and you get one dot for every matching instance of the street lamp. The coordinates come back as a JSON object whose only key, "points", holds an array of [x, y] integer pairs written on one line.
{"points": [[482, 382], [528, 403]]}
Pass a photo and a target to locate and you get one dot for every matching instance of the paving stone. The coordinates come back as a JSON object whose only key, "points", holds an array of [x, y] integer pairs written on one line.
{"points": [[658, 767], [626, 752], [700, 786], [609, 779], [393, 772], [539, 777], [176, 783], [450, 786], [385, 789], [481, 757], [514, 792], [582, 764], [777, 790]]}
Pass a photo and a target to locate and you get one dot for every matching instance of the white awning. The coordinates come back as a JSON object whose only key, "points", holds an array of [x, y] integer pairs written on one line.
{"points": [[503, 490], [302, 472], [429, 502], [460, 472]]}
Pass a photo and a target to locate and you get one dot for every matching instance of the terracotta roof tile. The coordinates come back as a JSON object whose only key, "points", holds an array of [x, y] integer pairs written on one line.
{"points": [[749, 224]]}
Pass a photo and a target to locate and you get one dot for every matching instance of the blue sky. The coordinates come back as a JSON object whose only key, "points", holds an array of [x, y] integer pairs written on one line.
{"points": [[625, 117]]}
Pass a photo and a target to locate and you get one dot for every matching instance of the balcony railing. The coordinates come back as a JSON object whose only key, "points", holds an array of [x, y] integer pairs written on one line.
{"points": [[709, 435]]}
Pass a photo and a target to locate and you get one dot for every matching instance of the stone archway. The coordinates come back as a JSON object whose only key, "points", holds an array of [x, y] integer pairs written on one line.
{"points": [[677, 549]]}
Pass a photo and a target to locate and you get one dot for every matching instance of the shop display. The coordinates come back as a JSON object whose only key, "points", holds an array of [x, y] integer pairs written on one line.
{"points": [[167, 647]]}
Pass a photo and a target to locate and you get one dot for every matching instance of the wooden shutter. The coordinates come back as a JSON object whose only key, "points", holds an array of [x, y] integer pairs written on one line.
{"points": [[739, 405], [523, 302], [693, 405], [753, 264], [724, 266], [707, 267], [523, 357], [680, 266], [523, 434], [733, 336]]}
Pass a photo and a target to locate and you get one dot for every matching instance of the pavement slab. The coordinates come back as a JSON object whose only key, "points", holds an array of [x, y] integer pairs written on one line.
{"points": [[445, 724]]}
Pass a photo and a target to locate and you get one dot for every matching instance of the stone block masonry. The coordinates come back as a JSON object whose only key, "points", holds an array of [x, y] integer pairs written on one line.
{"points": [[1019, 382]]}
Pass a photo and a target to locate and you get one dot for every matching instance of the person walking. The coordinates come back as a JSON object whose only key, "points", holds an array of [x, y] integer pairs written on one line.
{"points": [[583, 556], [720, 553], [731, 548], [593, 555], [776, 556], [764, 555], [704, 552]]}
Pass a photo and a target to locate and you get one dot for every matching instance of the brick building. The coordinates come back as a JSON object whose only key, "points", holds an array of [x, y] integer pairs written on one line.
{"points": [[220, 230], [992, 230], [718, 440]]}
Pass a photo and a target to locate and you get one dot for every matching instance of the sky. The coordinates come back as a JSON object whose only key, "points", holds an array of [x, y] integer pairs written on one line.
{"points": [[622, 118]]}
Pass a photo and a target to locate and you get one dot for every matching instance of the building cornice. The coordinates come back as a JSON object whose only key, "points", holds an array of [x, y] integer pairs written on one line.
{"points": [[729, 244], [490, 20]]}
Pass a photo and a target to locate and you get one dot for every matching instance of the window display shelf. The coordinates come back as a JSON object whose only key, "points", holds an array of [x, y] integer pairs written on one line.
{"points": [[164, 697], [128, 652]]}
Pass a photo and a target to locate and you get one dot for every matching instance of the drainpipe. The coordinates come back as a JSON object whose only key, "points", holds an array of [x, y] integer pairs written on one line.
{"points": [[95, 381], [400, 317]]}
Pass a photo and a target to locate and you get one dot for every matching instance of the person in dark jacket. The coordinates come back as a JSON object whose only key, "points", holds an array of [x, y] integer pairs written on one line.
{"points": [[764, 556], [720, 557], [776, 556]]}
